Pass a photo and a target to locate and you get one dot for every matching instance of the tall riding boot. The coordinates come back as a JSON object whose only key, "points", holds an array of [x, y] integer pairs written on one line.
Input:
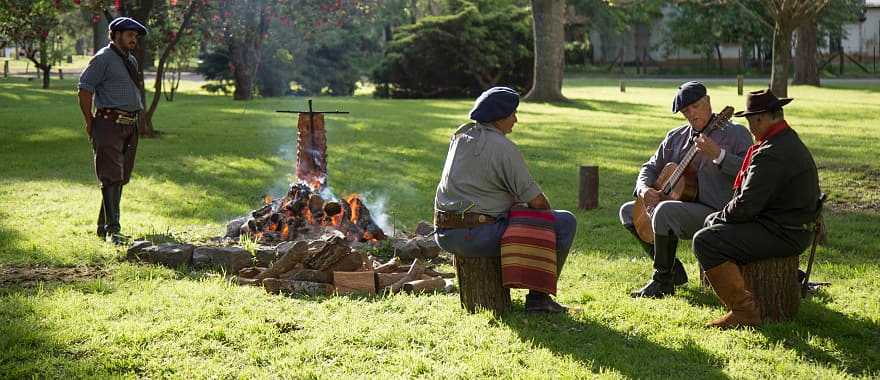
{"points": [[730, 287], [102, 215], [661, 283], [111, 207], [680, 276]]}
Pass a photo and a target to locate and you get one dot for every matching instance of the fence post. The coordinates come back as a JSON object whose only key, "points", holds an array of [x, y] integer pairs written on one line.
{"points": [[739, 85], [6, 69], [622, 86]]}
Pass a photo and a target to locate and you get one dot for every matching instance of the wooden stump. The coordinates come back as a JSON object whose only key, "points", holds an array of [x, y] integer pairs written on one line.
{"points": [[588, 194], [774, 284], [479, 284]]}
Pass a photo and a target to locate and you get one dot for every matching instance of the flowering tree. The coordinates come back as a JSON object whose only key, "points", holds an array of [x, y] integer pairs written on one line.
{"points": [[33, 25]]}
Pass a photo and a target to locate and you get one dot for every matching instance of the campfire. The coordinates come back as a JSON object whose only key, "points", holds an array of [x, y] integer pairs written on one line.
{"points": [[310, 242], [304, 213]]}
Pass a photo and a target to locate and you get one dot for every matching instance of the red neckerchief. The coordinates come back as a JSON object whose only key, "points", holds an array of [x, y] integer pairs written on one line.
{"points": [[774, 130]]}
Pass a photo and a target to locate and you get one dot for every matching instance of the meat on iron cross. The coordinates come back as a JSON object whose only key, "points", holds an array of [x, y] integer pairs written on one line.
{"points": [[311, 147]]}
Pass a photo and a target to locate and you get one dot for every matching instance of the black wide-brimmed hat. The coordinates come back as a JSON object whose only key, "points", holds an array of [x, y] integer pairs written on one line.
{"points": [[762, 101]]}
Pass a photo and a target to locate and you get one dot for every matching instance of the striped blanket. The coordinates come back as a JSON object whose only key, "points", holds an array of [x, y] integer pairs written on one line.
{"points": [[528, 251]]}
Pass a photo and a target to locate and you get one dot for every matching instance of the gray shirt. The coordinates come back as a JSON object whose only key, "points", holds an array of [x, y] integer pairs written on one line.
{"points": [[107, 78], [715, 182], [484, 173]]}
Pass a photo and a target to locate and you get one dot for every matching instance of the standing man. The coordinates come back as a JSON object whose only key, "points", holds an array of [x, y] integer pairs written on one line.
{"points": [[483, 177], [775, 203], [111, 78], [716, 163]]}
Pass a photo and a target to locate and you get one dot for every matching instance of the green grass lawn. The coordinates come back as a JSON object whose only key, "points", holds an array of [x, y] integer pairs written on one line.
{"points": [[218, 157]]}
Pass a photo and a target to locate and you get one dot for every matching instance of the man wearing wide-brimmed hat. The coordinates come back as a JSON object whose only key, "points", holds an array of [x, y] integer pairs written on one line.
{"points": [[111, 82], [774, 204], [484, 176]]}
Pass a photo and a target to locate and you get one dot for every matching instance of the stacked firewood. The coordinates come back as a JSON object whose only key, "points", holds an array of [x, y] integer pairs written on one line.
{"points": [[329, 265]]}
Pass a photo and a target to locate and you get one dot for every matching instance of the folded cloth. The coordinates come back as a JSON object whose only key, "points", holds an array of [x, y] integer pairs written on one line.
{"points": [[528, 251]]}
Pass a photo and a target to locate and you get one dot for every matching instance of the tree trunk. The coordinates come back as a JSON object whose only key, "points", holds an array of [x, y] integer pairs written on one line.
{"points": [[781, 60], [549, 31], [148, 130], [774, 284], [44, 62], [720, 60], [245, 53], [806, 68], [479, 283], [99, 35]]}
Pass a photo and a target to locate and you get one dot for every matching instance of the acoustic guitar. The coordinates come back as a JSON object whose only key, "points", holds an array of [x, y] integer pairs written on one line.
{"points": [[677, 181]]}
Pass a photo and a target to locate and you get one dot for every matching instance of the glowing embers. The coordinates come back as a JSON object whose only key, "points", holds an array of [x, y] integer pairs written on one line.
{"points": [[304, 213]]}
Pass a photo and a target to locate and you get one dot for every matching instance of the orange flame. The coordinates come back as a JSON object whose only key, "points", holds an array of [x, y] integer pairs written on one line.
{"points": [[337, 219], [355, 203], [307, 213], [267, 199], [284, 233]]}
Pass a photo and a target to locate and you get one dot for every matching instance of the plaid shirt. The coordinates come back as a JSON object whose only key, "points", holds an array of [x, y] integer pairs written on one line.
{"points": [[107, 78]]}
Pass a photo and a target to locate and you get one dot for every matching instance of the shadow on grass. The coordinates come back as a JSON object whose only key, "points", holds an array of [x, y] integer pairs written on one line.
{"points": [[818, 334], [596, 345]]}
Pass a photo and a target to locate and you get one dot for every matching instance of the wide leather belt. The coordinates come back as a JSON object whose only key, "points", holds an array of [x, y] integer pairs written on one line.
{"points": [[443, 219], [118, 116]]}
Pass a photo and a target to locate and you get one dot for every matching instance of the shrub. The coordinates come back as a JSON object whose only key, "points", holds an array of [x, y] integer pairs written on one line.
{"points": [[459, 55]]}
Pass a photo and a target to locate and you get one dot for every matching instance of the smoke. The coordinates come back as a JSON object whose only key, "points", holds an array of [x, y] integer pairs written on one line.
{"points": [[377, 206]]}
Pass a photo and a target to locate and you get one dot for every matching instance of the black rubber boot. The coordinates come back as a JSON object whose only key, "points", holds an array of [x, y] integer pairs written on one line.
{"points": [[679, 274], [661, 283], [112, 215]]}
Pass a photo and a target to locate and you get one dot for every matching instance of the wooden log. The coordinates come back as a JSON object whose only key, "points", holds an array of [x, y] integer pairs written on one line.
{"points": [[774, 284], [251, 272], [295, 255], [309, 275], [588, 195], [479, 283], [434, 273], [355, 282], [428, 285], [384, 280], [415, 271], [247, 281], [275, 285], [388, 267]]}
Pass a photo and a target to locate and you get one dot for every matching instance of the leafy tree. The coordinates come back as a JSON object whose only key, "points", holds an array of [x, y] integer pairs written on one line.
{"points": [[34, 25], [478, 46]]}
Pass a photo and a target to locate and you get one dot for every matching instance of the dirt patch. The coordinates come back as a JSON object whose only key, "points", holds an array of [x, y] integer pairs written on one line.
{"points": [[30, 276]]}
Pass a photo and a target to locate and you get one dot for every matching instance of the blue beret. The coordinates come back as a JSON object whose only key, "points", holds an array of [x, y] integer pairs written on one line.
{"points": [[494, 103], [124, 23], [688, 93]]}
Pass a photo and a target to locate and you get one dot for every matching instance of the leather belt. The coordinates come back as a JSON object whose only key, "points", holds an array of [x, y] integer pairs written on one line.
{"points": [[443, 219], [118, 116]]}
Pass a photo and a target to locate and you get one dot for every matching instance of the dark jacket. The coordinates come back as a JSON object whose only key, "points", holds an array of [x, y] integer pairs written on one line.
{"points": [[781, 186]]}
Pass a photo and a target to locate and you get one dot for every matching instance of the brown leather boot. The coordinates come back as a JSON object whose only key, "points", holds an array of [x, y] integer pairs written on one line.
{"points": [[730, 287]]}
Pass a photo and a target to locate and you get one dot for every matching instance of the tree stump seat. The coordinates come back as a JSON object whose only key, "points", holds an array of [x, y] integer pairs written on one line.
{"points": [[774, 284], [479, 284]]}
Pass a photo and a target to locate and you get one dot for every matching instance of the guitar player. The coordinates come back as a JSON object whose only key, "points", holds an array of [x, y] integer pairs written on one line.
{"points": [[719, 156]]}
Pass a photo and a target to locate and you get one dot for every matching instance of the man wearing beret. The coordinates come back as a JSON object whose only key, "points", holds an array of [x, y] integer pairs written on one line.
{"points": [[716, 163], [483, 177], [111, 82], [771, 214]]}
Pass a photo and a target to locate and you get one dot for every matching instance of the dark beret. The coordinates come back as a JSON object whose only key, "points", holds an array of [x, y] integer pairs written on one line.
{"points": [[688, 93], [495, 103], [125, 23]]}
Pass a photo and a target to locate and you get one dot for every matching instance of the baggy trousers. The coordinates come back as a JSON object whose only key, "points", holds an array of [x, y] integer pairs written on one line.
{"points": [[114, 146], [746, 242], [485, 240], [684, 219]]}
